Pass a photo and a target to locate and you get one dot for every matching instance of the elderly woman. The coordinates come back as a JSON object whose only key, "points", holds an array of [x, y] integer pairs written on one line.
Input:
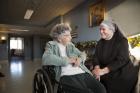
{"points": [[112, 63], [69, 63]]}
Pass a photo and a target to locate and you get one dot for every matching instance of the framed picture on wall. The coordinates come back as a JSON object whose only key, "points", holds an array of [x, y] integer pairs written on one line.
{"points": [[96, 13]]}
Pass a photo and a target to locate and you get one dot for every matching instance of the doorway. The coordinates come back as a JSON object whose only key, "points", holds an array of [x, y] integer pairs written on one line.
{"points": [[16, 48]]}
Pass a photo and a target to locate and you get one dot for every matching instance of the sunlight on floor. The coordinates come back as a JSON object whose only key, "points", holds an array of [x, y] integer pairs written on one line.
{"points": [[18, 76]]}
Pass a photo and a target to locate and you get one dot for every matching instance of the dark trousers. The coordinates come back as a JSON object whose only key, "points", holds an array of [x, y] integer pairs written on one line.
{"points": [[81, 83]]}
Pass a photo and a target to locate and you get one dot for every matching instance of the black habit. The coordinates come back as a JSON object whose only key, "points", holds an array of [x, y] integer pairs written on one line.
{"points": [[114, 54]]}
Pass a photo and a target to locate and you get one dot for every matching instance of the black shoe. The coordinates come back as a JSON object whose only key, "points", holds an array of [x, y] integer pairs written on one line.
{"points": [[2, 75]]}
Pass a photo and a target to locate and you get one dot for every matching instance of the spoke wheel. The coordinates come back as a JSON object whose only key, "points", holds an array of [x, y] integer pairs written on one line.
{"points": [[42, 83]]}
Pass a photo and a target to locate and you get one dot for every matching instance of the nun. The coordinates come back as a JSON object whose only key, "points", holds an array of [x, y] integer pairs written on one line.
{"points": [[112, 64]]}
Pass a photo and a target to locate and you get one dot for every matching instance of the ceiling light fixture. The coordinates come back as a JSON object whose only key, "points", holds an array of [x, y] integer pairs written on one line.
{"points": [[3, 38], [25, 30], [28, 13], [14, 30]]}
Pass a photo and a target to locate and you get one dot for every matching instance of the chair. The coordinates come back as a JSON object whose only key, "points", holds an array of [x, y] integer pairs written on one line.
{"points": [[44, 81]]}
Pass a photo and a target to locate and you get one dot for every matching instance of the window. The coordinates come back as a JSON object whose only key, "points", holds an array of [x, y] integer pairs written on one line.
{"points": [[16, 43]]}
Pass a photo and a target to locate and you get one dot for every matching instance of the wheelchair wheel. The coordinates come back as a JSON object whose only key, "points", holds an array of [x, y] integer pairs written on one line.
{"points": [[42, 83]]}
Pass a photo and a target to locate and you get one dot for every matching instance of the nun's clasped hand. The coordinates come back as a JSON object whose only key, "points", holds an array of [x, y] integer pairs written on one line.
{"points": [[100, 72]]}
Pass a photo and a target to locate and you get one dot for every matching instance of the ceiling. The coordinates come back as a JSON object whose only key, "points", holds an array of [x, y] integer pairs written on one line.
{"points": [[45, 11]]}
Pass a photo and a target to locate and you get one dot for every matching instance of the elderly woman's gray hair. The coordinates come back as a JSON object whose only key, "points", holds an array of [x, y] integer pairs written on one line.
{"points": [[58, 29], [108, 24]]}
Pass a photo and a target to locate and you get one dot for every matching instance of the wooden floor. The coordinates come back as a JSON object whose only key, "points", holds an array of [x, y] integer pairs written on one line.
{"points": [[18, 76]]}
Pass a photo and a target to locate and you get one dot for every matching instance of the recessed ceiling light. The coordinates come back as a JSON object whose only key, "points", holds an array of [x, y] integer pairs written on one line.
{"points": [[28, 13]]}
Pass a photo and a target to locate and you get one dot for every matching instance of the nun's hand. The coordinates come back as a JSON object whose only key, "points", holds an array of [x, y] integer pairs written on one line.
{"points": [[100, 72]]}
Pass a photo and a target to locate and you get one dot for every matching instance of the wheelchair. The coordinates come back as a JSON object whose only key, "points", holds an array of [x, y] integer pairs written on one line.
{"points": [[44, 81]]}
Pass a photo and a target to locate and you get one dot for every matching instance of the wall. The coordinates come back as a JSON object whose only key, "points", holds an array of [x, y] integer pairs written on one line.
{"points": [[39, 44], [4, 51], [28, 48], [79, 17], [126, 14], [34, 47]]}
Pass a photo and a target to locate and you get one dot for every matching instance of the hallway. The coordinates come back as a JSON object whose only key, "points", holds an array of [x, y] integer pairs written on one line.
{"points": [[18, 76]]}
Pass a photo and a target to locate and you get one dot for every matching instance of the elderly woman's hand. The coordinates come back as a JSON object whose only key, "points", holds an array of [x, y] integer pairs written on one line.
{"points": [[75, 61], [72, 60]]}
